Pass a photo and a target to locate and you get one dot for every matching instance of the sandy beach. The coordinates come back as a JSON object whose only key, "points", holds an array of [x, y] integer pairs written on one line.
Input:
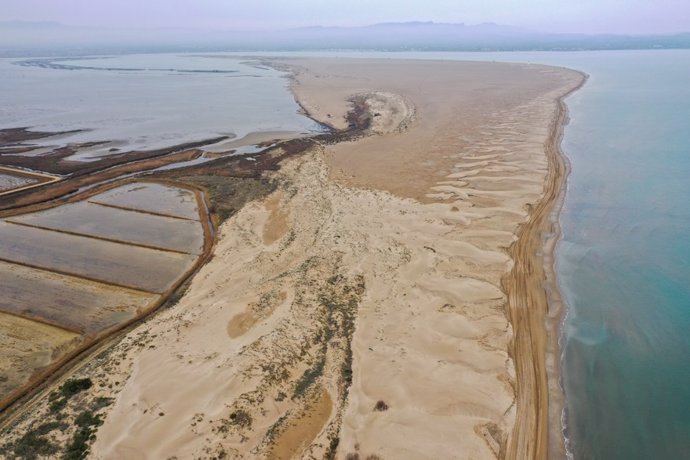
{"points": [[386, 301]]}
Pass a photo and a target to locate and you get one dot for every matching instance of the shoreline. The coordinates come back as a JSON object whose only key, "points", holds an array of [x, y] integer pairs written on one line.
{"points": [[558, 310], [416, 235], [534, 348], [539, 413]]}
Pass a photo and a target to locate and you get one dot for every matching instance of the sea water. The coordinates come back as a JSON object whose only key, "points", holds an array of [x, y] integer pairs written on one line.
{"points": [[623, 263]]}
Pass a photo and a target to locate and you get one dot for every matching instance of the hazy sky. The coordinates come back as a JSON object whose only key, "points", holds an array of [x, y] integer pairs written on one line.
{"points": [[617, 16]]}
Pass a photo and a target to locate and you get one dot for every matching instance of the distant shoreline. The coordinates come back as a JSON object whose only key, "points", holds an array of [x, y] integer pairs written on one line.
{"points": [[31, 39]]}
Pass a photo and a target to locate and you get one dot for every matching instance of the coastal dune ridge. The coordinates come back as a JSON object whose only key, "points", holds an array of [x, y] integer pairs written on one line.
{"points": [[386, 300]]}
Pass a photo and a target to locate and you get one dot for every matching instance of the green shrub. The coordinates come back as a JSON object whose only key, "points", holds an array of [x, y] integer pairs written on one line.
{"points": [[309, 377], [73, 386]]}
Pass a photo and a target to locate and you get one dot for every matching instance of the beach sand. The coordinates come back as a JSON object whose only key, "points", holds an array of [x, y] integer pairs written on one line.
{"points": [[375, 305]]}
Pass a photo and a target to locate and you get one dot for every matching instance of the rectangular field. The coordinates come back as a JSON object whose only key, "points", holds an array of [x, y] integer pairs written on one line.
{"points": [[153, 198], [72, 303], [27, 346], [121, 264], [116, 224]]}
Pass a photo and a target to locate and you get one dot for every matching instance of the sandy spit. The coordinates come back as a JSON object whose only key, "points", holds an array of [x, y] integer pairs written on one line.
{"points": [[373, 306], [537, 429]]}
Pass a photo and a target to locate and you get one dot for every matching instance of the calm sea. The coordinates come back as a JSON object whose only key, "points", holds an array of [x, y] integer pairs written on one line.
{"points": [[624, 260]]}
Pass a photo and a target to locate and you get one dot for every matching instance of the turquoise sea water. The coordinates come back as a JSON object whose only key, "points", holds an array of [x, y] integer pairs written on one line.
{"points": [[624, 260]]}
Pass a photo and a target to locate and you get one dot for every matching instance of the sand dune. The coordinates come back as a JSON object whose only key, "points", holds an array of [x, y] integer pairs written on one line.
{"points": [[360, 310]]}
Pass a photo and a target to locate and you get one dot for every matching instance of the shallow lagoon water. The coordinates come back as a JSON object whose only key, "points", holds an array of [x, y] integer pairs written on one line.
{"points": [[143, 102]]}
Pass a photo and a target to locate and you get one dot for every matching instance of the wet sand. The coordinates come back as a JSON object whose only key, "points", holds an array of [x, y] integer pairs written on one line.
{"points": [[382, 302]]}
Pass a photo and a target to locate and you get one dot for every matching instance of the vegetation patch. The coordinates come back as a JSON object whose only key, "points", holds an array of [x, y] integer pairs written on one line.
{"points": [[240, 418], [86, 422], [73, 386], [35, 443], [68, 427], [58, 399], [309, 378], [227, 195], [381, 406]]}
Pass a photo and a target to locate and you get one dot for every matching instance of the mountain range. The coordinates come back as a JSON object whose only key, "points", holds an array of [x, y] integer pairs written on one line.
{"points": [[19, 38]]}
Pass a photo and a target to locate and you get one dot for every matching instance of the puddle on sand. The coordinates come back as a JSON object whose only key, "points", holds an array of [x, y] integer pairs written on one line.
{"points": [[116, 224], [28, 346], [153, 198], [72, 303]]}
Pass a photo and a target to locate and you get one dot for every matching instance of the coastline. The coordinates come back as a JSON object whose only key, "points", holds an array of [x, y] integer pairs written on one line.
{"points": [[404, 234], [538, 361], [557, 309], [537, 430]]}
